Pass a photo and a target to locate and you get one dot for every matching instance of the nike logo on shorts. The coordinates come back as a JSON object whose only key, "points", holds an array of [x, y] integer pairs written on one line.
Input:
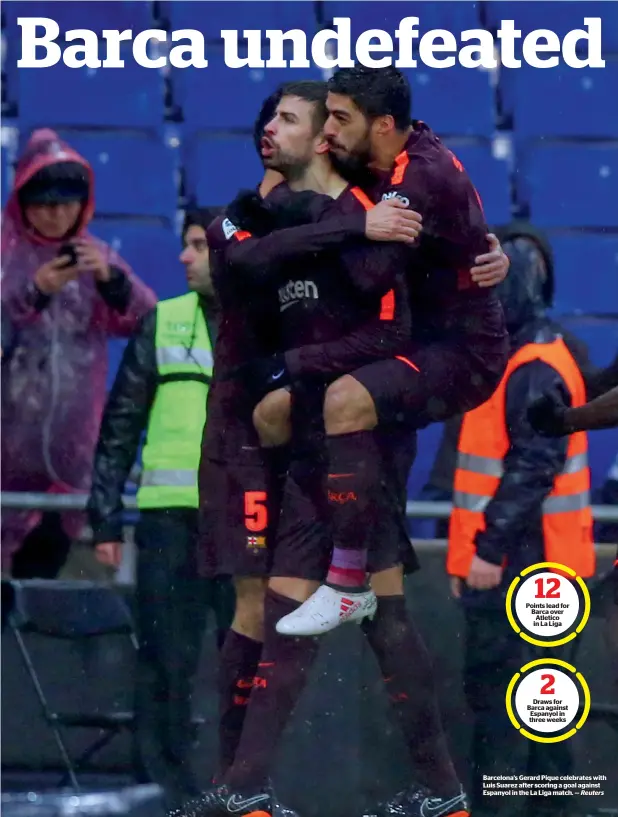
{"points": [[237, 804], [435, 807]]}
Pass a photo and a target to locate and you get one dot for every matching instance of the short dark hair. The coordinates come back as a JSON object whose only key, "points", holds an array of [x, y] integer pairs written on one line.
{"points": [[375, 92], [311, 90], [267, 112], [200, 217]]}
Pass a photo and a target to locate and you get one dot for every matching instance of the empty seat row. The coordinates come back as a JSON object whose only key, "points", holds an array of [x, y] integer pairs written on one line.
{"points": [[560, 184], [460, 101], [587, 273], [568, 184], [562, 101]]}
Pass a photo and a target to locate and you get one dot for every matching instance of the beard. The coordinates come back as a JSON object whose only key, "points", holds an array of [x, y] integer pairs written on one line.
{"points": [[291, 167], [353, 165]]}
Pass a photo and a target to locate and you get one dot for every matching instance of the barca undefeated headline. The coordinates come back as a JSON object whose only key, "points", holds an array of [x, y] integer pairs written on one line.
{"points": [[328, 49]]}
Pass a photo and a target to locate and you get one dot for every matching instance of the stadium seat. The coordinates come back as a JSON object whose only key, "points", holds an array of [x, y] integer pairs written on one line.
{"points": [[217, 167], [150, 249], [212, 17], [452, 15], [95, 14], [220, 98], [565, 101], [131, 97], [489, 175], [586, 273], [570, 185], [5, 177], [458, 101], [560, 17], [135, 175]]}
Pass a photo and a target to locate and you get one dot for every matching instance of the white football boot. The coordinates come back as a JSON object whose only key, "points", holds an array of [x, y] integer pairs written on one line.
{"points": [[326, 610]]}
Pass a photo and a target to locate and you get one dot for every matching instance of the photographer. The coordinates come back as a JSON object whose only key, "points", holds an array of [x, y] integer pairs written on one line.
{"points": [[65, 293]]}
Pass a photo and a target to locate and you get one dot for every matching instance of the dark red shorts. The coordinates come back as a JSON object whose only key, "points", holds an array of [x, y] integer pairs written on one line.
{"points": [[238, 510], [304, 548], [431, 384]]}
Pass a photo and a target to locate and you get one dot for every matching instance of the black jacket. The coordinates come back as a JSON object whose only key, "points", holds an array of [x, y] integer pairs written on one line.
{"points": [[124, 421], [513, 517]]}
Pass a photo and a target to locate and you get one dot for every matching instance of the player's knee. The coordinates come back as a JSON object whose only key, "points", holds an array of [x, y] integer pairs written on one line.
{"points": [[348, 407], [271, 418], [249, 612]]}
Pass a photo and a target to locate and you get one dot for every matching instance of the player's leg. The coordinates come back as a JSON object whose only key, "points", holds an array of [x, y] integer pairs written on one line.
{"points": [[354, 472], [300, 561], [402, 656], [238, 507], [440, 381]]}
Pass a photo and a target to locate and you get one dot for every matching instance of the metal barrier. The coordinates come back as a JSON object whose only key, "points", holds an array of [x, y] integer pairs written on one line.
{"points": [[28, 501]]}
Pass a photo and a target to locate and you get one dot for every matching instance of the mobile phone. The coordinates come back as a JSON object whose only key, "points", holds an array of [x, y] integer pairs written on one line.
{"points": [[68, 249]]}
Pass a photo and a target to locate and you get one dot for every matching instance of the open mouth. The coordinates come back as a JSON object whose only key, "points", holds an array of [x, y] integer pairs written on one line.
{"points": [[266, 147]]}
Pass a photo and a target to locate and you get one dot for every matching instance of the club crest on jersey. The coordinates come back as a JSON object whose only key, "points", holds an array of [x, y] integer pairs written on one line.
{"points": [[228, 228], [395, 195], [256, 543]]}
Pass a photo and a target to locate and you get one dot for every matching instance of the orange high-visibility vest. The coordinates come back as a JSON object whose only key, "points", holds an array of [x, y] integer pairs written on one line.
{"points": [[483, 444]]}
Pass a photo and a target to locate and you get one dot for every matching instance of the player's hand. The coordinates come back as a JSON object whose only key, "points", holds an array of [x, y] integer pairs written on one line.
{"points": [[263, 375], [109, 554], [249, 212], [456, 586], [51, 277], [547, 415], [391, 220], [91, 259], [492, 268], [483, 575]]}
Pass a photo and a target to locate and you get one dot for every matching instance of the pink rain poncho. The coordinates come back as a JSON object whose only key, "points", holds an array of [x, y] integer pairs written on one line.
{"points": [[54, 382]]}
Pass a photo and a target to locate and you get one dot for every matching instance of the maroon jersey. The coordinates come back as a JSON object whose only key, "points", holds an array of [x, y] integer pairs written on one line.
{"points": [[431, 180], [244, 331], [341, 299]]}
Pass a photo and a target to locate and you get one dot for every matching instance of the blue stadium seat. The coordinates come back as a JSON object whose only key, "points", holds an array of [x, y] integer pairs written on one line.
{"points": [[452, 15], [212, 17], [219, 166], [560, 17], [131, 97], [456, 101], [5, 177], [565, 101], [489, 175], [151, 250], [570, 185], [135, 175], [586, 273], [95, 14], [220, 98]]}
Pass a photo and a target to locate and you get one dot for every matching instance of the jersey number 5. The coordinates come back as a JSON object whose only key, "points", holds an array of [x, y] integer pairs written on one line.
{"points": [[256, 511]]}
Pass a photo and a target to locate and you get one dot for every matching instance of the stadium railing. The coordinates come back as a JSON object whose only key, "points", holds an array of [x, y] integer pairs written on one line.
{"points": [[28, 501]]}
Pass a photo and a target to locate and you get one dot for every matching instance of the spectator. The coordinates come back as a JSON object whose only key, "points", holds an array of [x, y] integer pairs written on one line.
{"points": [[514, 508], [63, 302], [161, 388], [439, 486]]}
